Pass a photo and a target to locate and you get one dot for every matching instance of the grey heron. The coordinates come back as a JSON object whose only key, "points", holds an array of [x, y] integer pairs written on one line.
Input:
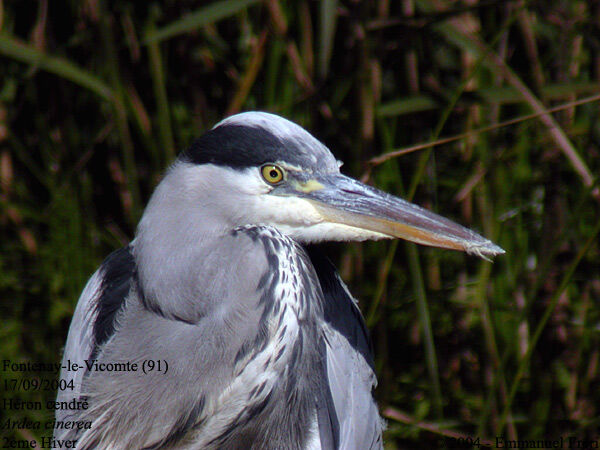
{"points": [[261, 343]]}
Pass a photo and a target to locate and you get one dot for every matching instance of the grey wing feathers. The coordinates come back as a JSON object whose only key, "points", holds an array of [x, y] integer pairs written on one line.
{"points": [[350, 382], [349, 366]]}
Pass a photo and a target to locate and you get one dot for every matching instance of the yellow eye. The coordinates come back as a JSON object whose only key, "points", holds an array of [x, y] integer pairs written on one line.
{"points": [[272, 174]]}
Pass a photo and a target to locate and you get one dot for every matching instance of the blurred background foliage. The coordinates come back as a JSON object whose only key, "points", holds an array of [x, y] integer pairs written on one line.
{"points": [[97, 97]]}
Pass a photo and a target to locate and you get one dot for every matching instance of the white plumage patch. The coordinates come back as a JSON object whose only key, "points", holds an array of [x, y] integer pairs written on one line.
{"points": [[314, 441], [327, 231]]}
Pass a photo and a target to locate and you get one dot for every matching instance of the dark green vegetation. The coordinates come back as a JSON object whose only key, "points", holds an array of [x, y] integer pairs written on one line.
{"points": [[97, 97]]}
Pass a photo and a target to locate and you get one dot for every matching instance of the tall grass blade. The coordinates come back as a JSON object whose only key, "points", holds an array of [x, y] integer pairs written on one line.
{"points": [[209, 14], [18, 50], [416, 274], [162, 104], [328, 20]]}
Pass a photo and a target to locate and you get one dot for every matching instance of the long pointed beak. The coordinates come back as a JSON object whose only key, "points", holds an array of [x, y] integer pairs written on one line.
{"points": [[343, 200]]}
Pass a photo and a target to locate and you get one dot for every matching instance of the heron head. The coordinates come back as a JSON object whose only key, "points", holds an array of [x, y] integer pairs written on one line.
{"points": [[257, 168]]}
